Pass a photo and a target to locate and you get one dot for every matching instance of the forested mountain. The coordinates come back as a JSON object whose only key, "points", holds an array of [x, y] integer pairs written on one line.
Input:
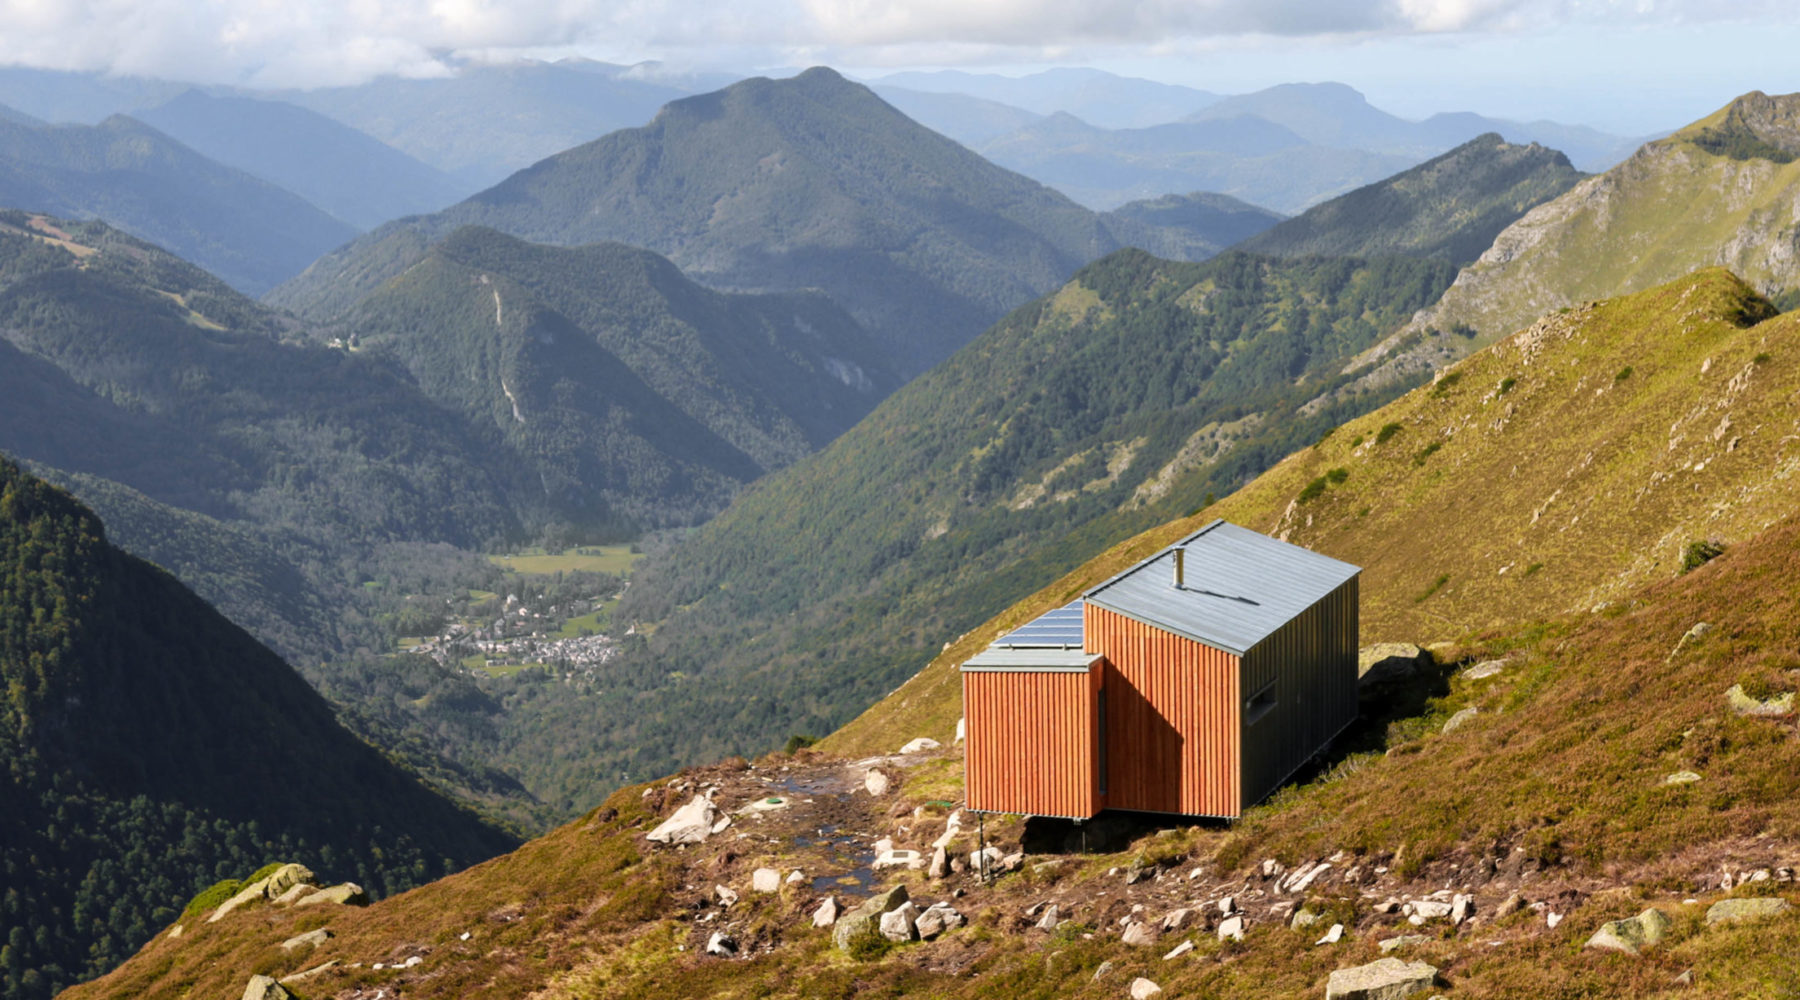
{"points": [[617, 377], [1451, 206], [1189, 227], [827, 582], [356, 178], [153, 748], [1651, 219], [810, 182], [248, 231]]}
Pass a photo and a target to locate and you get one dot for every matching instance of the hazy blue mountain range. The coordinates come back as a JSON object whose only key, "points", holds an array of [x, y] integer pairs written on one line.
{"points": [[247, 231], [353, 176], [1105, 99]]}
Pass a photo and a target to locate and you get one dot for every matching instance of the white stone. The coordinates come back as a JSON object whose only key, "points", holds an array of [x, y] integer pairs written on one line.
{"points": [[960, 730], [691, 824], [1332, 936], [827, 913], [1228, 905], [1231, 928], [1052, 916], [1461, 908], [900, 924], [952, 827], [766, 880], [409, 963], [920, 745], [1139, 933], [1383, 979], [875, 782], [721, 944], [1144, 989], [796, 876], [1179, 950], [727, 896]]}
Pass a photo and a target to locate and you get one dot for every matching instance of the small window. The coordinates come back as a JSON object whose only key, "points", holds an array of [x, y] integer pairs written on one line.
{"points": [[1259, 704]]}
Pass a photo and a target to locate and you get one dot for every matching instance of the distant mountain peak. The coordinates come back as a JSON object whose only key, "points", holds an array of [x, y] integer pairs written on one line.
{"points": [[1754, 125]]}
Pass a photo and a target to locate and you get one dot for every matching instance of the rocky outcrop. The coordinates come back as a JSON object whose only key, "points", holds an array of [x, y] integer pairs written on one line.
{"points": [[1631, 935], [1733, 910], [277, 883], [1144, 989], [900, 924], [691, 824], [827, 913], [265, 988], [1390, 662], [311, 939], [344, 894], [1383, 979], [1773, 706], [868, 912]]}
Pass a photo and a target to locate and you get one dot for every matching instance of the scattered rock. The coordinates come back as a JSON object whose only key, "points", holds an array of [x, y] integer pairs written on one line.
{"points": [[1461, 908], [920, 745], [1688, 638], [1552, 918], [1743, 704], [1144, 989], [940, 864], [1428, 909], [1403, 941], [1632, 934], [952, 827], [1228, 905], [1012, 861], [306, 974], [691, 824], [411, 962], [795, 877], [1051, 917], [1231, 928], [1386, 662], [1332, 936], [876, 782], [898, 859], [345, 894], [1382, 979], [721, 944], [827, 913], [1175, 920], [265, 988], [726, 895], [901, 923], [960, 729], [765, 880], [1484, 669], [1100, 973], [937, 918], [1179, 950], [1681, 778], [311, 939], [175, 931], [1455, 721], [1729, 910], [1303, 918], [719, 827], [1139, 933], [293, 894], [986, 860], [869, 910]]}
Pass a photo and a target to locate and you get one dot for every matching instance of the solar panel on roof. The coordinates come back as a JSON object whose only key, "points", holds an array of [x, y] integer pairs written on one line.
{"points": [[1060, 627]]}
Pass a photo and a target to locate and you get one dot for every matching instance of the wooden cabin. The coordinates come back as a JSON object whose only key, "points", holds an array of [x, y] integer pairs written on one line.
{"points": [[1194, 683]]}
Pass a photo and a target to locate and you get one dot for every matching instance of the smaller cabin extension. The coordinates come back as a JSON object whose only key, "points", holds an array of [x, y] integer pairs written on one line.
{"points": [[1194, 683]]}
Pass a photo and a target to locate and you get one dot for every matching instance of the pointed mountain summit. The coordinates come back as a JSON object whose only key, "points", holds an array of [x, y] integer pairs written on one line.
{"points": [[779, 185], [1449, 207]]}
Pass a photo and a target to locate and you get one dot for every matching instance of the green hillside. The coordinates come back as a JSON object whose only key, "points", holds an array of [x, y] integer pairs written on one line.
{"points": [[1450, 207], [1032, 448], [615, 376], [809, 182], [1720, 192], [247, 231], [153, 748], [1557, 470]]}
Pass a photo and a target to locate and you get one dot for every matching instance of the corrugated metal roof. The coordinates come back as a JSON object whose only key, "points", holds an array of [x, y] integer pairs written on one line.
{"points": [[1239, 586], [1054, 629], [1028, 659]]}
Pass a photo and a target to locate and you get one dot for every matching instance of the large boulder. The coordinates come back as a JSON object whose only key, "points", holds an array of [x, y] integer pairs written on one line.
{"points": [[901, 924], [1387, 662], [827, 913], [1731, 910], [1382, 979], [691, 824], [1144, 989], [766, 880], [265, 988], [1632, 934], [311, 939], [346, 894], [287, 877], [868, 911]]}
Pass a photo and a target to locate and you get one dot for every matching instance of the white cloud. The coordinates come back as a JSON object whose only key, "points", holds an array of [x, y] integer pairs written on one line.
{"points": [[315, 42]]}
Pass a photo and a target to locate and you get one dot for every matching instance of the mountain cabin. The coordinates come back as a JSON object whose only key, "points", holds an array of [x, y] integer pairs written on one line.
{"points": [[1194, 683]]}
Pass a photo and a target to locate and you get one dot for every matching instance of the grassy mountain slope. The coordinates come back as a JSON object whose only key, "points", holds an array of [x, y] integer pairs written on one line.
{"points": [[1720, 192], [353, 176], [152, 748], [1559, 469], [248, 231], [1554, 793], [1451, 206], [616, 375], [827, 582], [811, 182]]}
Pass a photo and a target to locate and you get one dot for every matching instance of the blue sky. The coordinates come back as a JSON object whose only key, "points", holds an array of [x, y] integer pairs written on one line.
{"points": [[1629, 66]]}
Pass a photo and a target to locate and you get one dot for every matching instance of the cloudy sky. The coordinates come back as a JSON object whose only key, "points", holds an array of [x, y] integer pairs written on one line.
{"points": [[1625, 65]]}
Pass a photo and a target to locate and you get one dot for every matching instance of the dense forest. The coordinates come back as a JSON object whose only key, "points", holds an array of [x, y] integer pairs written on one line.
{"points": [[153, 748]]}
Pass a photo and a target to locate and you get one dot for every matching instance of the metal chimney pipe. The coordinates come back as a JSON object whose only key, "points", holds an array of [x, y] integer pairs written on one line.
{"points": [[1180, 566]]}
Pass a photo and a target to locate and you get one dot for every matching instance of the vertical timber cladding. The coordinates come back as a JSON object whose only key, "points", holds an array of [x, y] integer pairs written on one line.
{"points": [[1172, 719], [1030, 741], [1306, 674]]}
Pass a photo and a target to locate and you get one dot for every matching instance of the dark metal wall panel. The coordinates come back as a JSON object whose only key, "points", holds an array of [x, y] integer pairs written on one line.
{"points": [[1030, 742], [1309, 667], [1172, 719]]}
